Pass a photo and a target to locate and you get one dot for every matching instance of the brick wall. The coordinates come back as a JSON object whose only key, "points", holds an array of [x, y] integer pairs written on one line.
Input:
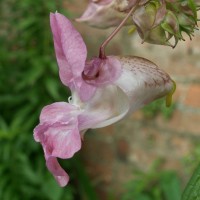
{"points": [[111, 154]]}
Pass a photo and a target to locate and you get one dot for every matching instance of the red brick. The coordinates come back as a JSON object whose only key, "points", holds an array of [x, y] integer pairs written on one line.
{"points": [[97, 150], [193, 96], [122, 149], [142, 158], [180, 93], [180, 146], [138, 115], [99, 172], [172, 164], [181, 122], [106, 131]]}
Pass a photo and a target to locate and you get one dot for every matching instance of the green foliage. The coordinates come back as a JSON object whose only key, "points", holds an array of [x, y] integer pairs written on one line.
{"points": [[153, 185], [192, 190], [29, 80], [158, 106], [192, 160]]}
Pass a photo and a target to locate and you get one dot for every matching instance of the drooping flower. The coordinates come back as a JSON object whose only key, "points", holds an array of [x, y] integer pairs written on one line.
{"points": [[156, 21], [101, 14], [103, 92], [107, 13]]}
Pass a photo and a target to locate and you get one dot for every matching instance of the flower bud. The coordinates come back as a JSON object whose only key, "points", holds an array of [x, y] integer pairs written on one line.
{"points": [[147, 19], [157, 22]]}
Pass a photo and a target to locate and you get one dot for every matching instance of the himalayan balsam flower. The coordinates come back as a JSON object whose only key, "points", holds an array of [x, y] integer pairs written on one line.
{"points": [[103, 92], [107, 13], [156, 21]]}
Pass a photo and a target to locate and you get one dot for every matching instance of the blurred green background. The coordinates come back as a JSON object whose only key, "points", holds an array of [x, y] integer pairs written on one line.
{"points": [[28, 81]]}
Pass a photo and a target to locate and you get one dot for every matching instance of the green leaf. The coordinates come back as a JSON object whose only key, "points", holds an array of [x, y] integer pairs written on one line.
{"points": [[192, 190], [171, 186], [52, 87], [192, 5], [84, 181], [52, 190]]}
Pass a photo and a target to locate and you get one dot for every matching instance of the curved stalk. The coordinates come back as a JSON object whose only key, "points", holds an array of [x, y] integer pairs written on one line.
{"points": [[102, 54]]}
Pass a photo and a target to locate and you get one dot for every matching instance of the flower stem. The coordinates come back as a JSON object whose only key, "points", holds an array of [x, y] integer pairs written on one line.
{"points": [[102, 54]]}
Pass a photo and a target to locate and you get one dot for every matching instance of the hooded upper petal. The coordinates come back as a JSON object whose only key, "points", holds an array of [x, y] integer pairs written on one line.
{"points": [[143, 81]]}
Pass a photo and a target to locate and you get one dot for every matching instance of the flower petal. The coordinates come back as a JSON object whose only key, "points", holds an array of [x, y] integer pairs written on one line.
{"points": [[59, 173], [62, 140], [143, 81], [59, 136], [101, 15], [86, 91], [70, 49], [102, 2], [108, 106], [106, 70], [58, 112], [58, 130]]}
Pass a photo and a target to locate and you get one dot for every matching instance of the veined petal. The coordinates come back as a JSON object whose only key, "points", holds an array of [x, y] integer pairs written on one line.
{"points": [[143, 81], [70, 49]]}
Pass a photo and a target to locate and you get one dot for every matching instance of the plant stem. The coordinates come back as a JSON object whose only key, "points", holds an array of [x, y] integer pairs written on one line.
{"points": [[105, 43]]}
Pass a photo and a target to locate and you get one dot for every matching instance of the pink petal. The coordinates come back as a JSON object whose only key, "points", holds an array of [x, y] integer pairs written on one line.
{"points": [[101, 15], [59, 140], [70, 49], [59, 173], [107, 70], [86, 91], [58, 112], [62, 141], [59, 135], [58, 130], [102, 2]]}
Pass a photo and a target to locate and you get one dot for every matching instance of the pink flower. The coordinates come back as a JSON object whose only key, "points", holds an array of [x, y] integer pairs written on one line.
{"points": [[103, 13], [103, 92], [108, 13]]}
